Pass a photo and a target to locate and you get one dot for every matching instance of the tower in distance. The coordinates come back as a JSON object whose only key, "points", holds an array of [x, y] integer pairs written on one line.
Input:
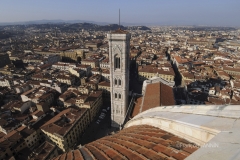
{"points": [[119, 48]]}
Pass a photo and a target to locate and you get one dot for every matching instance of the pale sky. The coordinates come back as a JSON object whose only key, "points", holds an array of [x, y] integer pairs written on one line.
{"points": [[174, 12]]}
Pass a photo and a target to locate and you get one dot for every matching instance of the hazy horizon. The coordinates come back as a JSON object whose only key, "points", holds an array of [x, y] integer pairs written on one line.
{"points": [[172, 12]]}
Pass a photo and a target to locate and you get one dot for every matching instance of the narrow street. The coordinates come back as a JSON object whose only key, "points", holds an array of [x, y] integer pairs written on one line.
{"points": [[134, 85], [97, 130]]}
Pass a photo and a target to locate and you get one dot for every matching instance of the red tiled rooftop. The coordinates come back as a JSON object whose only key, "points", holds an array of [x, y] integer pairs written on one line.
{"points": [[136, 142], [107, 150], [97, 152], [121, 149], [119, 31], [156, 94]]}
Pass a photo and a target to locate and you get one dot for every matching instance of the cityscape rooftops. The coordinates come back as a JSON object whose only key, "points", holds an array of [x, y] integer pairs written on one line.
{"points": [[61, 123], [119, 31]]}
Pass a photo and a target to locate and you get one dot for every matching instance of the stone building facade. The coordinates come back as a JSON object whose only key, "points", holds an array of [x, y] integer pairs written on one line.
{"points": [[119, 48]]}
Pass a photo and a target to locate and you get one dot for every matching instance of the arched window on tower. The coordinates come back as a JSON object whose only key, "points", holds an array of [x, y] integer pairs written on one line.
{"points": [[115, 81], [116, 96], [119, 82], [117, 62], [119, 96]]}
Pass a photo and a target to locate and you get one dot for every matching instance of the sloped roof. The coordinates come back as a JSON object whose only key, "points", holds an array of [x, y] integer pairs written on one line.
{"points": [[157, 94]]}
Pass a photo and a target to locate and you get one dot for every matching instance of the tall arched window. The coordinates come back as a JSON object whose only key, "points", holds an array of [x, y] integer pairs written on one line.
{"points": [[119, 96], [115, 81], [116, 96], [119, 82], [117, 62]]}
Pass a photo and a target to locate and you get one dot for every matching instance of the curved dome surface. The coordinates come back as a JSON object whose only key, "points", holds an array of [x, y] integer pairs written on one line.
{"points": [[136, 142], [171, 132], [215, 128]]}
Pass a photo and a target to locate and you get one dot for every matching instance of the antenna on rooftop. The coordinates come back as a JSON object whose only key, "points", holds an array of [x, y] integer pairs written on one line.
{"points": [[119, 19]]}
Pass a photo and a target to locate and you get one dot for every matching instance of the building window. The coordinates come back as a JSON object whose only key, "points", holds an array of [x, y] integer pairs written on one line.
{"points": [[115, 81], [117, 62], [119, 96], [119, 82], [115, 95]]}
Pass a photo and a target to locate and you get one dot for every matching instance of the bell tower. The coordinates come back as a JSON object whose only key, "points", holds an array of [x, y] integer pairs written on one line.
{"points": [[119, 48]]}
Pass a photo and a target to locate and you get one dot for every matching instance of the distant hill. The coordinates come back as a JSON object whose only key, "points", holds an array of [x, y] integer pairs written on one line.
{"points": [[63, 21], [90, 26], [138, 28], [70, 27], [157, 23], [44, 22]]}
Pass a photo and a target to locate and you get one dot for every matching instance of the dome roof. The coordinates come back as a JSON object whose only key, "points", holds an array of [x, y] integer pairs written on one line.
{"points": [[152, 135], [215, 128], [136, 142]]}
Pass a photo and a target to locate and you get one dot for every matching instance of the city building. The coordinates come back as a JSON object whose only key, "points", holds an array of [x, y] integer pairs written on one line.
{"points": [[91, 62], [40, 94], [65, 129], [104, 86], [82, 97], [150, 71], [45, 151], [16, 141], [75, 55]]}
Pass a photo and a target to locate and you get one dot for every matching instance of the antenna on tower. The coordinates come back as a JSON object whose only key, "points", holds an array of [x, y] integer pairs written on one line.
{"points": [[119, 19]]}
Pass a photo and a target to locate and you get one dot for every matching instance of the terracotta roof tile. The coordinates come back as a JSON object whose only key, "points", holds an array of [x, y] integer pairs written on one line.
{"points": [[70, 155], [138, 142], [190, 149], [63, 157], [97, 153], [119, 31], [77, 155], [156, 94], [121, 149], [108, 151]]}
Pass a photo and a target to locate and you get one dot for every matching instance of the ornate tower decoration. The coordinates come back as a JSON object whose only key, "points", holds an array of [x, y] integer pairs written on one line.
{"points": [[119, 48]]}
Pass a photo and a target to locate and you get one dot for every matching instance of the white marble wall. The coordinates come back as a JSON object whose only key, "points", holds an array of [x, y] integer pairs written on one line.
{"points": [[119, 45]]}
